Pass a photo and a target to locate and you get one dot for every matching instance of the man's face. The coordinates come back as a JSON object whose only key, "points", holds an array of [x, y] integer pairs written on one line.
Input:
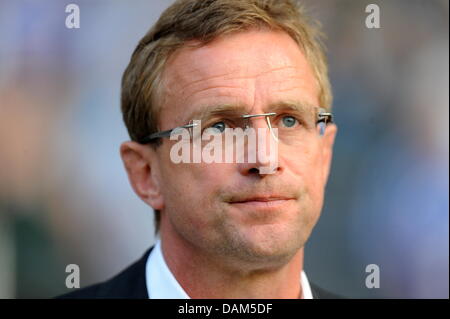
{"points": [[206, 204]]}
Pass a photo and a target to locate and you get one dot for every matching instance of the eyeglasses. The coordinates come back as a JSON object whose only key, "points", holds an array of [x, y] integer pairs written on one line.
{"points": [[291, 125]]}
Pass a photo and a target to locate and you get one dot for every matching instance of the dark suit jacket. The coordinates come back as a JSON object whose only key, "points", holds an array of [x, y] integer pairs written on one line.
{"points": [[131, 284]]}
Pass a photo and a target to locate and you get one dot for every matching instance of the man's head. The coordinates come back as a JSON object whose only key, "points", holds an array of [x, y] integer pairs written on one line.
{"points": [[252, 54]]}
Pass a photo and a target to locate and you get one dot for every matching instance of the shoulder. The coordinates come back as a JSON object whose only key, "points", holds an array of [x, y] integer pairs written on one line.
{"points": [[129, 284], [320, 293]]}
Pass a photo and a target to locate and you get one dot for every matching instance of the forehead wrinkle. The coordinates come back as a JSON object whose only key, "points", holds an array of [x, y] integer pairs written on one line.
{"points": [[292, 77], [290, 89], [184, 87], [216, 87], [229, 75], [286, 67]]}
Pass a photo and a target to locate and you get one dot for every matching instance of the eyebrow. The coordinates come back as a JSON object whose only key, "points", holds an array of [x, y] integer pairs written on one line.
{"points": [[209, 111], [218, 109], [301, 107]]}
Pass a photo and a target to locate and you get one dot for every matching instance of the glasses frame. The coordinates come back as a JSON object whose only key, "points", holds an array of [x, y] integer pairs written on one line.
{"points": [[322, 117]]}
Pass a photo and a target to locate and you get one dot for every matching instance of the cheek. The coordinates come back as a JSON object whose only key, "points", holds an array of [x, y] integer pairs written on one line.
{"points": [[182, 197], [193, 188], [306, 165], [193, 200]]}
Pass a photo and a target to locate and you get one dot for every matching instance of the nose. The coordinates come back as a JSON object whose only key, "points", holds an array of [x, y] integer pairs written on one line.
{"points": [[251, 169], [262, 156]]}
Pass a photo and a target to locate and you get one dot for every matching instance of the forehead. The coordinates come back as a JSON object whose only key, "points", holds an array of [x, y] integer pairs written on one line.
{"points": [[254, 69]]}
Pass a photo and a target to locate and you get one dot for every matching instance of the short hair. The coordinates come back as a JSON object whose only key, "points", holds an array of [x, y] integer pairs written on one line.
{"points": [[204, 21]]}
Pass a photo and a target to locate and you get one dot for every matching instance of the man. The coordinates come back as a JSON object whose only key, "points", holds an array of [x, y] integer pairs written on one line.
{"points": [[226, 229]]}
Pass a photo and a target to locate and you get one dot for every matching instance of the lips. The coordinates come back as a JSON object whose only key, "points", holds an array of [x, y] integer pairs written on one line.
{"points": [[263, 198], [263, 204], [262, 201]]}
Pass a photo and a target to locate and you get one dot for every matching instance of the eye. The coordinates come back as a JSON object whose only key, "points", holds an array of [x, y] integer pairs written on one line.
{"points": [[289, 121], [219, 126]]}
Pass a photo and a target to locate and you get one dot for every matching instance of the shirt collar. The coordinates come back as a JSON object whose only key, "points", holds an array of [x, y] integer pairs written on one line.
{"points": [[161, 284]]}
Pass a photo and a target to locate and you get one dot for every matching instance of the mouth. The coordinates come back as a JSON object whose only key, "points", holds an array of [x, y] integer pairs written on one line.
{"points": [[262, 202]]}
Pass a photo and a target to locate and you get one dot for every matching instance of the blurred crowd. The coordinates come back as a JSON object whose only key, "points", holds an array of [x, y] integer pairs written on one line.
{"points": [[65, 196]]}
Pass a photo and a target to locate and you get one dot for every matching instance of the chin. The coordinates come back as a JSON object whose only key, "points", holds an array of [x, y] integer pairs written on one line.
{"points": [[268, 244]]}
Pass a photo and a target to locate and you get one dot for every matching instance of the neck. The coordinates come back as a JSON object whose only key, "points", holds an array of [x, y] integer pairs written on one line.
{"points": [[205, 276]]}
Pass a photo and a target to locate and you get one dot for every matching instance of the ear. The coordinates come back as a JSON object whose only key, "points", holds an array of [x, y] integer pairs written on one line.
{"points": [[141, 164], [327, 149]]}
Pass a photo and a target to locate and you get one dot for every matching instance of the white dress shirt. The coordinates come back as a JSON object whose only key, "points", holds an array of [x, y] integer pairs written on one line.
{"points": [[161, 284]]}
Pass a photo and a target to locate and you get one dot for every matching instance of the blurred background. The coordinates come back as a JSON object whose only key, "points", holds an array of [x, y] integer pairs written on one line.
{"points": [[65, 197]]}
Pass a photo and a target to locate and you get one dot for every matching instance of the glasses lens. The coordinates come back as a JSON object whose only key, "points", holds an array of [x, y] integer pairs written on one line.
{"points": [[291, 126]]}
